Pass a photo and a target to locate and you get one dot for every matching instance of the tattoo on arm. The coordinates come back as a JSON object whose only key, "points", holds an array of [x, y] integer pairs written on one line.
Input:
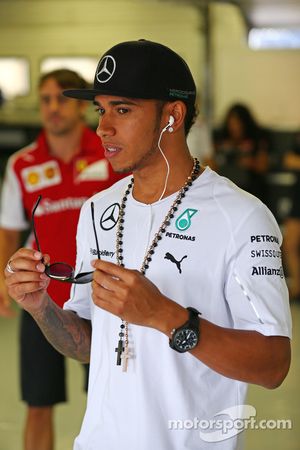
{"points": [[66, 331]]}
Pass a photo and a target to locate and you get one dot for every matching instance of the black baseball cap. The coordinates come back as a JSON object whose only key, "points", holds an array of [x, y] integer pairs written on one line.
{"points": [[141, 69]]}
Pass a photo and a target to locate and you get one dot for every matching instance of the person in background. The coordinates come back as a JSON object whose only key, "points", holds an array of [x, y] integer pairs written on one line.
{"points": [[291, 161], [242, 151], [179, 309], [65, 165]]}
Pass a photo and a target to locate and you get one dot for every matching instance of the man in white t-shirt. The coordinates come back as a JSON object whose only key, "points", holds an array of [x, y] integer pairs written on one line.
{"points": [[179, 299]]}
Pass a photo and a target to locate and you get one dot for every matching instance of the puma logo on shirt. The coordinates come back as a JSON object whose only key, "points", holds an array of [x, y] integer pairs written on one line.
{"points": [[173, 260]]}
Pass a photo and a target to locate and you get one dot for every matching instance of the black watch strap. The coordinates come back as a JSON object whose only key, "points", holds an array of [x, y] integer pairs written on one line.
{"points": [[194, 316], [193, 323]]}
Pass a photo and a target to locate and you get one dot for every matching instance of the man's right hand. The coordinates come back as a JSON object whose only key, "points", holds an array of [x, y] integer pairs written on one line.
{"points": [[28, 283]]}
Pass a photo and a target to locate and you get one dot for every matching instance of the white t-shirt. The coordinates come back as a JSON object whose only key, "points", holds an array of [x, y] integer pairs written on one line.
{"points": [[227, 247]]}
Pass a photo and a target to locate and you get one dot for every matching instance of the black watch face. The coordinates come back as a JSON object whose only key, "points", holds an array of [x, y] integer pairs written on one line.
{"points": [[185, 340]]}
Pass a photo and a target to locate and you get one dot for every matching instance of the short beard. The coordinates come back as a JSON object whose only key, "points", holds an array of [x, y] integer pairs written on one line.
{"points": [[141, 163]]}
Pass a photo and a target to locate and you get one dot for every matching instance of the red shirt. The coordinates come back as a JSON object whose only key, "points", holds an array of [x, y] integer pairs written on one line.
{"points": [[64, 187]]}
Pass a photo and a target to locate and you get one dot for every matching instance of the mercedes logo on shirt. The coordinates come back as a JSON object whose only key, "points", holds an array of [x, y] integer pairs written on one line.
{"points": [[110, 217], [106, 69]]}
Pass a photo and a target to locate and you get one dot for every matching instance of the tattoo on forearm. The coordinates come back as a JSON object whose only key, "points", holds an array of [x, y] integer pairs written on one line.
{"points": [[68, 333]]}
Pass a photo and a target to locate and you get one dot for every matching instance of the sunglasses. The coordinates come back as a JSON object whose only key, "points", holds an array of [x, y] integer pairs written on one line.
{"points": [[62, 271]]}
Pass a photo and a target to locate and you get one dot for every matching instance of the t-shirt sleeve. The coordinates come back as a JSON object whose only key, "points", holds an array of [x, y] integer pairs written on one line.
{"points": [[12, 214], [255, 289], [80, 297]]}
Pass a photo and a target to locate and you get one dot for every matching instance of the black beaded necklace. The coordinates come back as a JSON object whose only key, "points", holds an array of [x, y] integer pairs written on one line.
{"points": [[122, 349]]}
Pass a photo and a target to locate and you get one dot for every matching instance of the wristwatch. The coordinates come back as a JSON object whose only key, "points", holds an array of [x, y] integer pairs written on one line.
{"points": [[187, 336]]}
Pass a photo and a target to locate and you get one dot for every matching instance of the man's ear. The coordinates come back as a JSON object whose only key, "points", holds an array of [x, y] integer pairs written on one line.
{"points": [[178, 111]]}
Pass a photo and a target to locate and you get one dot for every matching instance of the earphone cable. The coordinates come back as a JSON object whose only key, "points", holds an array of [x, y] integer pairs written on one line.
{"points": [[166, 161]]}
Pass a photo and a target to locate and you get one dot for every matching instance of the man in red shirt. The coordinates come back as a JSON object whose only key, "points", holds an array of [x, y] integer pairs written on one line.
{"points": [[65, 165]]}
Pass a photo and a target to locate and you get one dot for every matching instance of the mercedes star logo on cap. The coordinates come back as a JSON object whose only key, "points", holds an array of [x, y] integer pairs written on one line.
{"points": [[110, 217], [107, 67]]}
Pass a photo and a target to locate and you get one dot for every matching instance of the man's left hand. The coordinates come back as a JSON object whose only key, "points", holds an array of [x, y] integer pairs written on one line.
{"points": [[131, 296]]}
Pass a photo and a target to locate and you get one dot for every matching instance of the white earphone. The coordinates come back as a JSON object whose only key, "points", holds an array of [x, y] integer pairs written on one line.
{"points": [[171, 121], [169, 125]]}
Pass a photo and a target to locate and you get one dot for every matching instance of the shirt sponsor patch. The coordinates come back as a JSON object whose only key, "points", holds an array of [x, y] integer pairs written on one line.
{"points": [[264, 270], [182, 237], [91, 172], [41, 176], [107, 253], [264, 238], [49, 206], [265, 253], [184, 220]]}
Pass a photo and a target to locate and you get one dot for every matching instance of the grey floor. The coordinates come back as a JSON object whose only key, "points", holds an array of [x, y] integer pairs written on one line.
{"points": [[282, 403]]}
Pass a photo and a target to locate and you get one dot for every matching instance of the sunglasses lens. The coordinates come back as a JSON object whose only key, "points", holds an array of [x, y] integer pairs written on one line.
{"points": [[60, 271]]}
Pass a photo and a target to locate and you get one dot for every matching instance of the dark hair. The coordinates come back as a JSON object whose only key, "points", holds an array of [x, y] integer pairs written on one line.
{"points": [[190, 118], [243, 113], [65, 78]]}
